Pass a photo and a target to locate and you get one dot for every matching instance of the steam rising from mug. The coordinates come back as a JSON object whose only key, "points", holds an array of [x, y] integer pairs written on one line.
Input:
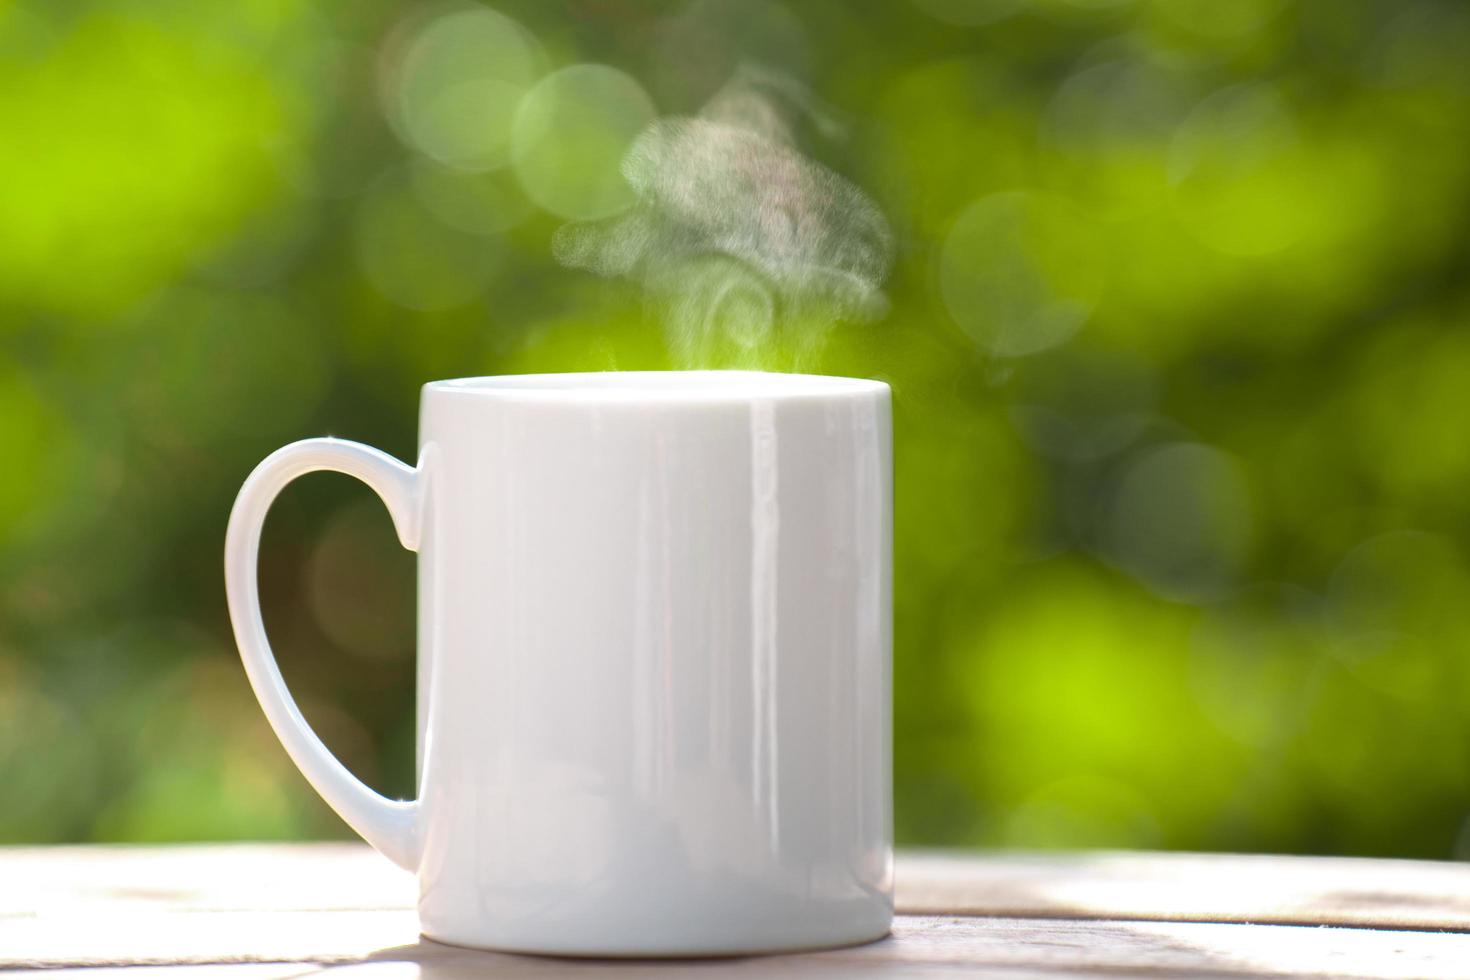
{"points": [[736, 232]]}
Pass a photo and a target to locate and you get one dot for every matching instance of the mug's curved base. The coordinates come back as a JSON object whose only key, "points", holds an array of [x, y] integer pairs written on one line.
{"points": [[671, 948]]}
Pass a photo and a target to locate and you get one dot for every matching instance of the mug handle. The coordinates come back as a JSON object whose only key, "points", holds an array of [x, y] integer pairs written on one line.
{"points": [[391, 826]]}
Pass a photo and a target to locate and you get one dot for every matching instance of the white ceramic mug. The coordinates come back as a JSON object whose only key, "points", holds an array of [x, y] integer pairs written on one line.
{"points": [[655, 660]]}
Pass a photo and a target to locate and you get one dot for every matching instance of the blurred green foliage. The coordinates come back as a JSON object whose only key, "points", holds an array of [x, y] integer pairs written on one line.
{"points": [[1179, 334]]}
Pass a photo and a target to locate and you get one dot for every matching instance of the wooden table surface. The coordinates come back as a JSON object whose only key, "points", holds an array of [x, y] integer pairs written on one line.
{"points": [[249, 911]]}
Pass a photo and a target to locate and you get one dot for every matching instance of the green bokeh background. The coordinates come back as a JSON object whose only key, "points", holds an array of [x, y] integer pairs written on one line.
{"points": [[1178, 333]]}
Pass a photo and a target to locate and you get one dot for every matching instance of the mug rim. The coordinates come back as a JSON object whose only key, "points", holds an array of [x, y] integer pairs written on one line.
{"points": [[695, 386]]}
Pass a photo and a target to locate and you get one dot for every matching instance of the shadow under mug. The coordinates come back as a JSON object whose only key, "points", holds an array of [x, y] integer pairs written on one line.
{"points": [[654, 660]]}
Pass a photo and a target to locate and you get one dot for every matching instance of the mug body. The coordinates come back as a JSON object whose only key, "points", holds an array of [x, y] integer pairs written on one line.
{"points": [[655, 663]]}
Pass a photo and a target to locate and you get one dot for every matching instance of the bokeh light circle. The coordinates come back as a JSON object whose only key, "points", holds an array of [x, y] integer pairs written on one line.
{"points": [[1239, 181], [1106, 132], [1181, 520], [453, 93], [570, 135], [483, 203], [1019, 272], [1081, 405], [1403, 581], [1395, 603]]}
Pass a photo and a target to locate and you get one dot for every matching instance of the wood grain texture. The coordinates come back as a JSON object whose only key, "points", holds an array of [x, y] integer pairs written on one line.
{"points": [[251, 911], [1190, 887]]}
